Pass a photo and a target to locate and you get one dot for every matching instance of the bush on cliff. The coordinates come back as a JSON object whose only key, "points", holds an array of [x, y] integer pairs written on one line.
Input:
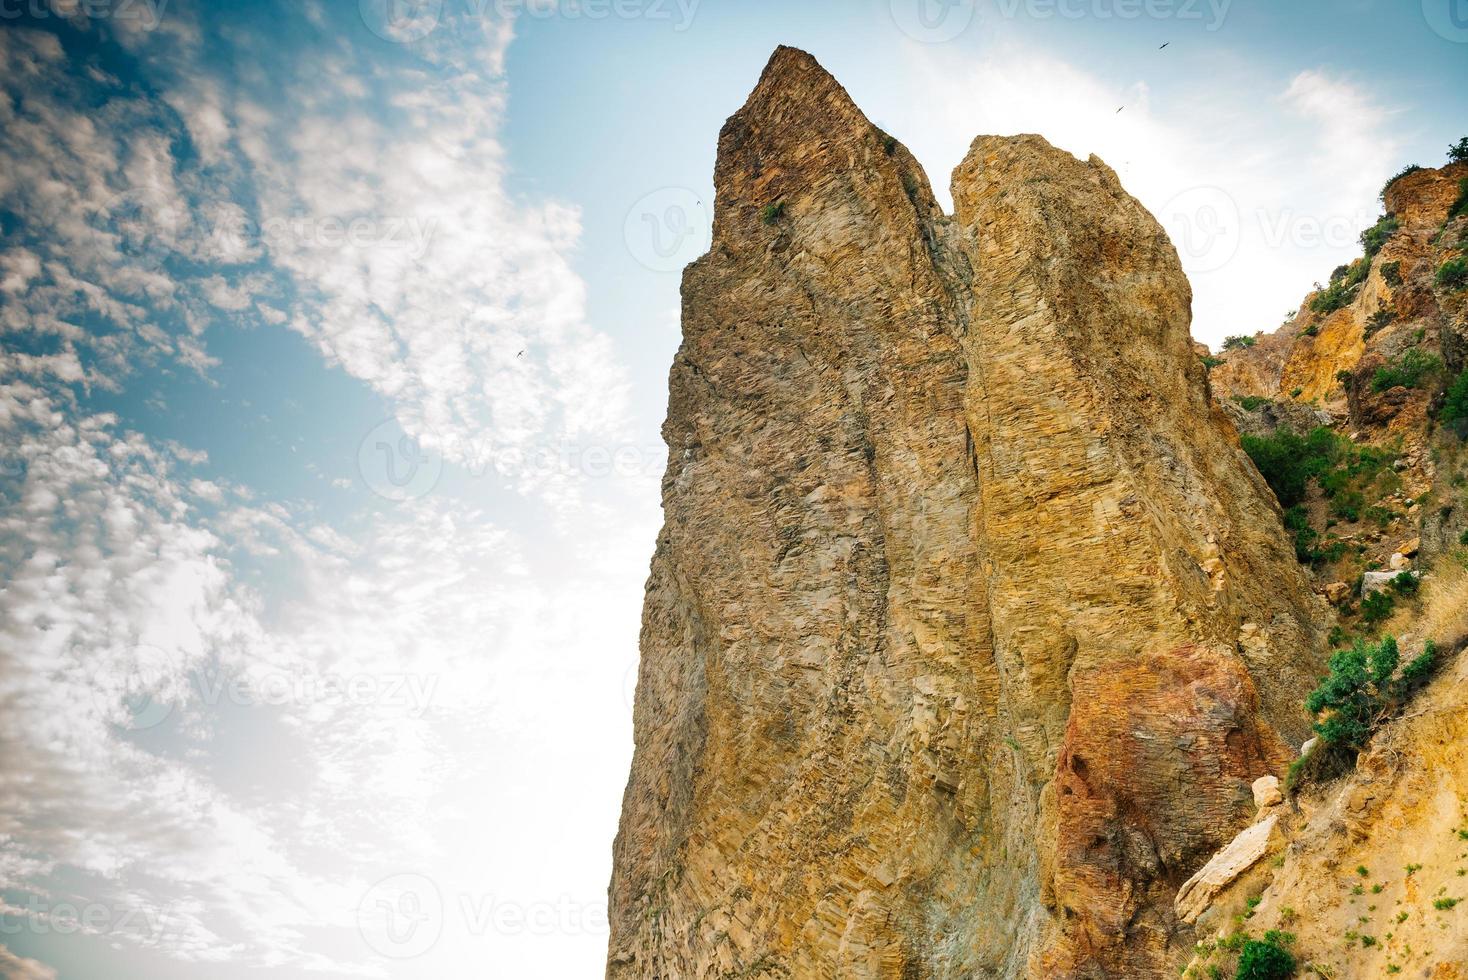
{"points": [[1367, 684], [1264, 961], [1411, 168], [1373, 238], [1455, 405], [1453, 275], [1458, 152], [1408, 370]]}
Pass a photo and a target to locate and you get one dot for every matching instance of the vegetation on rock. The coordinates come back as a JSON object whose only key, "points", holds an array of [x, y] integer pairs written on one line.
{"points": [[1407, 370], [1264, 961]]}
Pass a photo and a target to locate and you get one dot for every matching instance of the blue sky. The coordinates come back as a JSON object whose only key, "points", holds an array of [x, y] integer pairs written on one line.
{"points": [[335, 348]]}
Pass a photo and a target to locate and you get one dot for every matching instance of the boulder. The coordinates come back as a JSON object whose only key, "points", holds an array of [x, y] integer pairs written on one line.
{"points": [[1239, 856], [1337, 593], [1266, 791], [1376, 582]]}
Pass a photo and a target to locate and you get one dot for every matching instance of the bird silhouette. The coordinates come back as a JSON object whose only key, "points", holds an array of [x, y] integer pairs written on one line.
{"points": [[521, 354], [1119, 110], [1164, 44]]}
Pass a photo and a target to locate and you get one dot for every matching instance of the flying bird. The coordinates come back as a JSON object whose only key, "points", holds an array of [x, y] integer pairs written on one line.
{"points": [[521, 354], [1119, 110], [1164, 44]]}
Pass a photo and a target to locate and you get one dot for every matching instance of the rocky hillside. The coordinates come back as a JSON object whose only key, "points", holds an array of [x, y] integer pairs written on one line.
{"points": [[971, 624], [1373, 355], [1356, 411]]}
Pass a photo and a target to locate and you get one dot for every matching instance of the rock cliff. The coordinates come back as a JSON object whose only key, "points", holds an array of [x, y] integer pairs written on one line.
{"points": [[970, 625]]}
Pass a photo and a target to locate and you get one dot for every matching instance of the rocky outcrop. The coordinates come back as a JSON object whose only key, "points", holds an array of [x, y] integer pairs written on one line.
{"points": [[955, 636], [1341, 360]]}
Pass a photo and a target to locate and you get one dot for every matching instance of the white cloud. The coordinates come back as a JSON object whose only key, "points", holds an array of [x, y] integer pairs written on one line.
{"points": [[1274, 179], [19, 968]]}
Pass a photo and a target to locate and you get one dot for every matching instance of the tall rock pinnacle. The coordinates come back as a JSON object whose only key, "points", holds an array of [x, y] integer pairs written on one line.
{"points": [[970, 624]]}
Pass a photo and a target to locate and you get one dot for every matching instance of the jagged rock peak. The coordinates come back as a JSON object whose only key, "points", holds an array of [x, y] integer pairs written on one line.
{"points": [[970, 625]]}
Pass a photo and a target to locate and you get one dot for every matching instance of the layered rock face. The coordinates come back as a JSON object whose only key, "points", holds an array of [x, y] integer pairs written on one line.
{"points": [[970, 624]]}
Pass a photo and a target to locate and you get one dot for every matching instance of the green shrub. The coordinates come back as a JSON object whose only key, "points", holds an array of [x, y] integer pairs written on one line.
{"points": [[1364, 689], [1407, 370], [1458, 152], [1455, 405], [1297, 522], [1239, 342], [1377, 608], [1288, 462], [1411, 168], [1344, 283], [1373, 238], [1296, 392], [771, 213], [1406, 584], [1391, 272], [1210, 362], [889, 143], [1251, 403], [1460, 206], [1452, 275], [1264, 961], [1311, 330]]}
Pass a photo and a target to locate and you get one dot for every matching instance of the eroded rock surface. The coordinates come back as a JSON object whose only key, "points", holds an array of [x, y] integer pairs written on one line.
{"points": [[970, 624]]}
